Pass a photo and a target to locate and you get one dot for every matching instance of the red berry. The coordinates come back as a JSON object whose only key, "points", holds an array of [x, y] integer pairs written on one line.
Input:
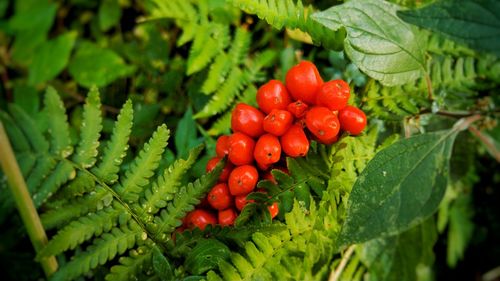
{"points": [[224, 175], [303, 82], [298, 108], [247, 119], [273, 210], [323, 124], [277, 122], [241, 201], [222, 146], [273, 95], [352, 120], [294, 142], [200, 218], [333, 94], [219, 197], [241, 149], [227, 217], [267, 150], [243, 179]]}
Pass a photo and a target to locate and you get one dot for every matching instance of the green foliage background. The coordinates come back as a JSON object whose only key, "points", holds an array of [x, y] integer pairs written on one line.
{"points": [[170, 71]]}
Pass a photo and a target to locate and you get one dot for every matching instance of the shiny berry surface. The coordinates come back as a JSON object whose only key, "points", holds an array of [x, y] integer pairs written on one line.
{"points": [[273, 95], [294, 142], [241, 149], [247, 119], [243, 179], [219, 197], [303, 82], [333, 94], [352, 120], [267, 150], [277, 122], [323, 124]]}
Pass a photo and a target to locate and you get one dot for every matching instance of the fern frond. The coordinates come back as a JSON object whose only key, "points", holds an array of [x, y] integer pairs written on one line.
{"points": [[29, 129], [166, 185], [185, 201], [95, 200], [63, 172], [108, 168], [42, 168], [224, 96], [81, 230], [205, 47], [182, 10], [17, 139], [239, 46], [292, 14], [144, 165], [130, 266], [82, 184], [58, 124], [217, 73], [86, 151], [104, 248]]}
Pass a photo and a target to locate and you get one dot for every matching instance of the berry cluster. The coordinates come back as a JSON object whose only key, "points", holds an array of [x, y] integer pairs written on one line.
{"points": [[288, 116]]}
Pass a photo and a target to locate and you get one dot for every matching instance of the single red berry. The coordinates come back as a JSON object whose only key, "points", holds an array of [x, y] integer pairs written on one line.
{"points": [[352, 120], [242, 180], [263, 167], [303, 82], [294, 142], [200, 218], [224, 175], [323, 124], [222, 146], [333, 94], [227, 217], [273, 210], [267, 150], [273, 95], [247, 119], [241, 149], [219, 197], [241, 201], [298, 109], [277, 122]]}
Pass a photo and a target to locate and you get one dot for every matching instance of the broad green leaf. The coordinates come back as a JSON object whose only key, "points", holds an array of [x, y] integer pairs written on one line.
{"points": [[476, 23], [378, 42], [161, 265], [93, 65], [31, 22], [400, 257], [51, 58], [206, 255], [109, 14], [399, 188]]}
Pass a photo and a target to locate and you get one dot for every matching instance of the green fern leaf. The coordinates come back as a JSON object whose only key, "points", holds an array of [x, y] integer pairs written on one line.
{"points": [[203, 50], [103, 249], [224, 96], [76, 208], [291, 14], [81, 230], [58, 124], [167, 185], [217, 74], [184, 201], [107, 170], [63, 172], [86, 151], [29, 129], [42, 168], [130, 266], [144, 165], [182, 10], [239, 46], [17, 139], [82, 184]]}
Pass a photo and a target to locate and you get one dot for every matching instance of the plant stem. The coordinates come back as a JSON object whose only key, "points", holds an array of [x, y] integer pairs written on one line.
{"points": [[335, 275], [23, 201], [487, 141]]}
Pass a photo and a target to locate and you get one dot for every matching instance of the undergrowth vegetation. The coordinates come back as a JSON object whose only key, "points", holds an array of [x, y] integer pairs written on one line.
{"points": [[113, 107]]}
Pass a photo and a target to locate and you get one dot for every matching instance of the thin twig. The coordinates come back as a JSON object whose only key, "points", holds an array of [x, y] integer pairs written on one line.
{"points": [[24, 202], [487, 141], [335, 275]]}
